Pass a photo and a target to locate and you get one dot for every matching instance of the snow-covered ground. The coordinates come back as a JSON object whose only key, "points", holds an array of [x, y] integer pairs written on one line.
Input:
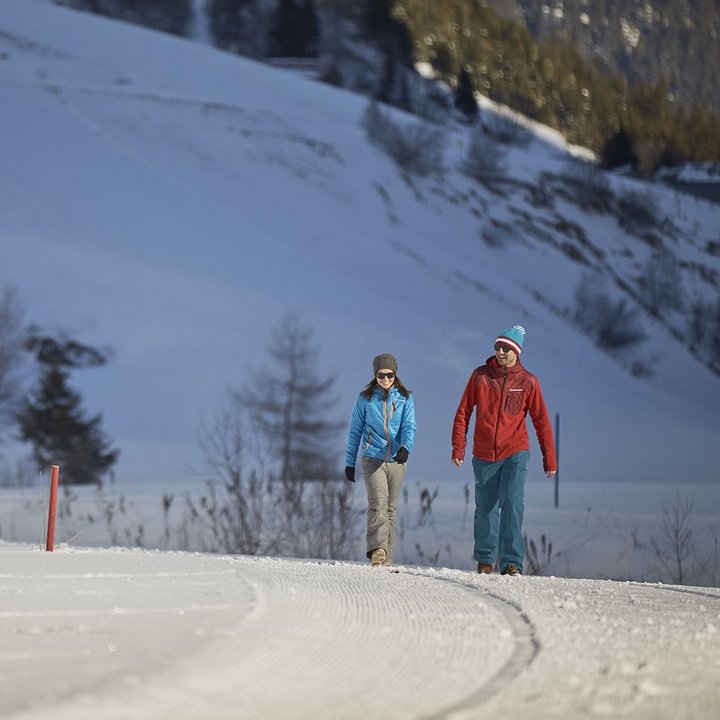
{"points": [[600, 530], [136, 634]]}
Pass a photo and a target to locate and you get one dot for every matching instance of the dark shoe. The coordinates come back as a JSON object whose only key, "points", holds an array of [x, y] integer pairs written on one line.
{"points": [[512, 570], [484, 568]]}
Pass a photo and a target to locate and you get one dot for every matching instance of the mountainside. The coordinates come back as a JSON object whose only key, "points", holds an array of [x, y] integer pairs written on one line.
{"points": [[174, 201], [671, 40]]}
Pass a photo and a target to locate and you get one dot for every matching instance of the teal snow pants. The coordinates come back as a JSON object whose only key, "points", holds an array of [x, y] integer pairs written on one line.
{"points": [[499, 509]]}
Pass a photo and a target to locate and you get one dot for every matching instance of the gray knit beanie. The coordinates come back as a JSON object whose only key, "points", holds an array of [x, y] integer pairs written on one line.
{"points": [[385, 361]]}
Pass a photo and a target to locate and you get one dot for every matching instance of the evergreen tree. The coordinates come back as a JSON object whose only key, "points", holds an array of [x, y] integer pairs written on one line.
{"points": [[172, 16], [228, 19], [294, 30], [618, 150], [52, 419], [311, 28], [392, 39], [465, 100], [285, 31]]}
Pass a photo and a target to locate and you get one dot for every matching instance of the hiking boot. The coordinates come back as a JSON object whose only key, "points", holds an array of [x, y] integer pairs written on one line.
{"points": [[378, 557], [484, 568], [512, 570]]}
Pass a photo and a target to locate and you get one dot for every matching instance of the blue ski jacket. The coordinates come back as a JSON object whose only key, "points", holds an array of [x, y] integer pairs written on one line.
{"points": [[382, 424]]}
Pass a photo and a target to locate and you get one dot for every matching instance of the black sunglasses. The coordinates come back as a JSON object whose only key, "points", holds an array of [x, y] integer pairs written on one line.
{"points": [[500, 347], [382, 376]]}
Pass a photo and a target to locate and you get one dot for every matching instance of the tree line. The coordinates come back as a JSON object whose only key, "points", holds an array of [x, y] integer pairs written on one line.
{"points": [[549, 81], [472, 49]]}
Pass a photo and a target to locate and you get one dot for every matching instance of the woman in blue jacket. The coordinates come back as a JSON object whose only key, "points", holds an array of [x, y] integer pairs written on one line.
{"points": [[382, 426]]}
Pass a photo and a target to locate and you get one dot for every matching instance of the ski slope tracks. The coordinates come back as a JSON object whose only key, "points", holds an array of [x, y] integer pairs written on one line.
{"points": [[136, 634]]}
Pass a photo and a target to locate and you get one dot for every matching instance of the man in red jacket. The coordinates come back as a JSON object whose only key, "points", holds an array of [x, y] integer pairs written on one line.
{"points": [[503, 392]]}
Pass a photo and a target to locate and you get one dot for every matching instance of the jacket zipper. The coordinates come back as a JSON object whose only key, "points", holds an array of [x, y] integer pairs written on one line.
{"points": [[497, 424], [387, 430]]}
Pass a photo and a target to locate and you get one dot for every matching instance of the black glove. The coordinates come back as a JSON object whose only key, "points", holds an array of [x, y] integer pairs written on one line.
{"points": [[401, 455], [350, 473]]}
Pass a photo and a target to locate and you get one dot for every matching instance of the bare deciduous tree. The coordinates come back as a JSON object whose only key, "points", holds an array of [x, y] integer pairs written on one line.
{"points": [[485, 159], [275, 487], [661, 283], [289, 403], [676, 544], [240, 510], [12, 347], [416, 148], [612, 324]]}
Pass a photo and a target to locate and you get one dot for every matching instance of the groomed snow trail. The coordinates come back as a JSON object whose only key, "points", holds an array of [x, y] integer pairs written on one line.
{"points": [[125, 634], [115, 634]]}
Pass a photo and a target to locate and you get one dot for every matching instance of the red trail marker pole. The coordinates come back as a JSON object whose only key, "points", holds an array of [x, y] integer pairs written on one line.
{"points": [[54, 477]]}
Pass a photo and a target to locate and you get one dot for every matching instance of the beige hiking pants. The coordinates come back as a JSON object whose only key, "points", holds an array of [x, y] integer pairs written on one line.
{"points": [[383, 481]]}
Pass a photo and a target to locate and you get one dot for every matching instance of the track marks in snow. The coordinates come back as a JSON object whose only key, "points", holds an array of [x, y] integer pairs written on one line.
{"points": [[276, 638]]}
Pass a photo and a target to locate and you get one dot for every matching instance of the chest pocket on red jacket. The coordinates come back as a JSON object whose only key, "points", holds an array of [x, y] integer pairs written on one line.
{"points": [[515, 401]]}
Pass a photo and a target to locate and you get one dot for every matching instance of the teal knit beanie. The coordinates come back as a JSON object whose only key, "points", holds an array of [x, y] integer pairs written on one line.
{"points": [[514, 337]]}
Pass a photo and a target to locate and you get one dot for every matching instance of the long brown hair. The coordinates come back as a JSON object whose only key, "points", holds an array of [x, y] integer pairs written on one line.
{"points": [[370, 388]]}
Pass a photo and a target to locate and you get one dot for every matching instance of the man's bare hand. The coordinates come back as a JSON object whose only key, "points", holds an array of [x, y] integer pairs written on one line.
{"points": [[457, 462], [551, 473]]}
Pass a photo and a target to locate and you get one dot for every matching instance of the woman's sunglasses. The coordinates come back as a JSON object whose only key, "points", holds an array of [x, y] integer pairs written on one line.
{"points": [[382, 376]]}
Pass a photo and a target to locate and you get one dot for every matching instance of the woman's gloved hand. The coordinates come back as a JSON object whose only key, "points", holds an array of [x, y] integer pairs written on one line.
{"points": [[402, 455]]}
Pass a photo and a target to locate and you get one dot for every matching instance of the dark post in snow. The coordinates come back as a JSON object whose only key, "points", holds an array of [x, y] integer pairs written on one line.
{"points": [[557, 455]]}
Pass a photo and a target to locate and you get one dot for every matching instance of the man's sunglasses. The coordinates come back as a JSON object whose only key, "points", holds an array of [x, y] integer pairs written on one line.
{"points": [[382, 376], [501, 347]]}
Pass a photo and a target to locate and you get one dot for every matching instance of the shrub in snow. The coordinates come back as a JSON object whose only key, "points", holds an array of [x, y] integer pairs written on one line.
{"points": [[537, 560], [714, 337], [505, 130], [498, 234], [661, 283], [612, 324], [588, 187], [703, 330], [697, 331], [637, 212], [484, 159], [417, 148]]}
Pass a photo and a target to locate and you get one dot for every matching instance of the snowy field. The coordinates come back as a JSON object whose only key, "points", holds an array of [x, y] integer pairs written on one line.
{"points": [[600, 530], [138, 634]]}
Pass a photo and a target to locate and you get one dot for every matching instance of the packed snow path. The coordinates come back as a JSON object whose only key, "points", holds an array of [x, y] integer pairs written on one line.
{"points": [[132, 634]]}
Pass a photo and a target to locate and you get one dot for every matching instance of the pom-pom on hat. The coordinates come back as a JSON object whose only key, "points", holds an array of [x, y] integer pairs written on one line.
{"points": [[514, 337], [385, 361]]}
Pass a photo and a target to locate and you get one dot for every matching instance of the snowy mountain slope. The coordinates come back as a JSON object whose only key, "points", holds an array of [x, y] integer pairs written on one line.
{"points": [[161, 635], [173, 202]]}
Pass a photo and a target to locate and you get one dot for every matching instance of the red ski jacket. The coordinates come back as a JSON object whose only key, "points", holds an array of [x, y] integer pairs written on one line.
{"points": [[503, 397]]}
